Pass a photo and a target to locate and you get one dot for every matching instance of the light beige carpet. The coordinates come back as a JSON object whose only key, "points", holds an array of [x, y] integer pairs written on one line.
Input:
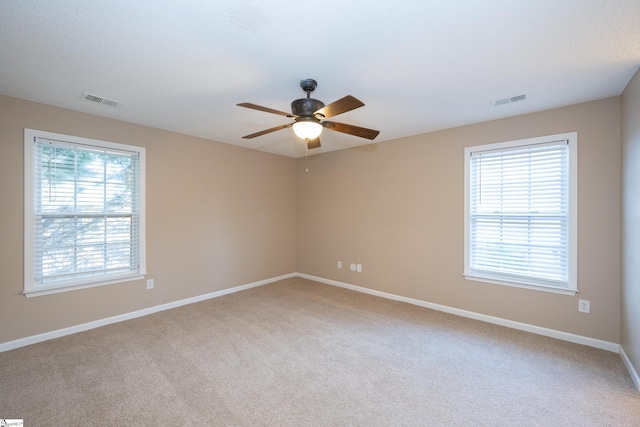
{"points": [[296, 353]]}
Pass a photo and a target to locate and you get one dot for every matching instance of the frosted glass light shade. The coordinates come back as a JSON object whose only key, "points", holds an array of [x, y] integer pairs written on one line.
{"points": [[307, 130]]}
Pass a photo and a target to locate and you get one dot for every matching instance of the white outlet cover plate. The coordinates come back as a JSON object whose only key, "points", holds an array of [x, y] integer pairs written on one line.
{"points": [[584, 306]]}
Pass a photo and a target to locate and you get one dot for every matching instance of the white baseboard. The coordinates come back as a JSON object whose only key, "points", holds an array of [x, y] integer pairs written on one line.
{"points": [[632, 371], [10, 345], [565, 336]]}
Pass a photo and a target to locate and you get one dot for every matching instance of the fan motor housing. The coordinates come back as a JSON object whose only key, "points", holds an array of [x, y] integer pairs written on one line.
{"points": [[306, 106]]}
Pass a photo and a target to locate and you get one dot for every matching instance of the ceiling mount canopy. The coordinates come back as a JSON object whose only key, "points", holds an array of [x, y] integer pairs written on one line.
{"points": [[309, 115]]}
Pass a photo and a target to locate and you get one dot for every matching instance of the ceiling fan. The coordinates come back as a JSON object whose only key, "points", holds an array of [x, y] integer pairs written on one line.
{"points": [[308, 116]]}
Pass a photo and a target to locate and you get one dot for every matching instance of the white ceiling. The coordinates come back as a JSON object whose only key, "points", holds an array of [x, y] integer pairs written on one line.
{"points": [[418, 65]]}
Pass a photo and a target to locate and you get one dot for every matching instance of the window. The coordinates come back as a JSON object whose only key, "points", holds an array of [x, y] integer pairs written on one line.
{"points": [[84, 213], [520, 213]]}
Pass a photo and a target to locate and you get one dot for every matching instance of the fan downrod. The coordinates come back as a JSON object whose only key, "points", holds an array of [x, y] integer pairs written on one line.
{"points": [[304, 107]]}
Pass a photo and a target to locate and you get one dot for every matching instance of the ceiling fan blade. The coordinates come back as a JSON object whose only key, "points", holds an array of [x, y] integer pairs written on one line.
{"points": [[265, 109], [340, 106], [266, 131], [352, 130], [313, 143]]}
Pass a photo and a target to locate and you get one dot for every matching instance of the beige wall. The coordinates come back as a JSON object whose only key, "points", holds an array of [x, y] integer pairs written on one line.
{"points": [[218, 216], [630, 318], [394, 207], [397, 208]]}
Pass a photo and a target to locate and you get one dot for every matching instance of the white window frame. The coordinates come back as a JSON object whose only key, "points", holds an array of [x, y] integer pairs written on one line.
{"points": [[571, 139], [31, 287]]}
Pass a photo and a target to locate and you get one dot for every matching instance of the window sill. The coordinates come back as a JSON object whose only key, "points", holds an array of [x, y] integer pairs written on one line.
{"points": [[530, 286], [36, 292]]}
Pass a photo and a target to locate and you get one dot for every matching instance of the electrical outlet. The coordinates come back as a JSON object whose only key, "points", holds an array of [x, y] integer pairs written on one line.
{"points": [[339, 264], [150, 284], [584, 306], [359, 268]]}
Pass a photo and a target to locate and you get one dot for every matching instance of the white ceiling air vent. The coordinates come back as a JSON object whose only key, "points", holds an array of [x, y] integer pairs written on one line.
{"points": [[101, 100], [510, 100]]}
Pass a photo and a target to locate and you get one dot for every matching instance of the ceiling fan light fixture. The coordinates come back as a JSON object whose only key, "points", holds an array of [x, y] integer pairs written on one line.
{"points": [[308, 116], [307, 129]]}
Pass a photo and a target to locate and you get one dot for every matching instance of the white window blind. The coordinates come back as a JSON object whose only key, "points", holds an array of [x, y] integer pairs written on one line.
{"points": [[86, 213], [519, 222]]}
